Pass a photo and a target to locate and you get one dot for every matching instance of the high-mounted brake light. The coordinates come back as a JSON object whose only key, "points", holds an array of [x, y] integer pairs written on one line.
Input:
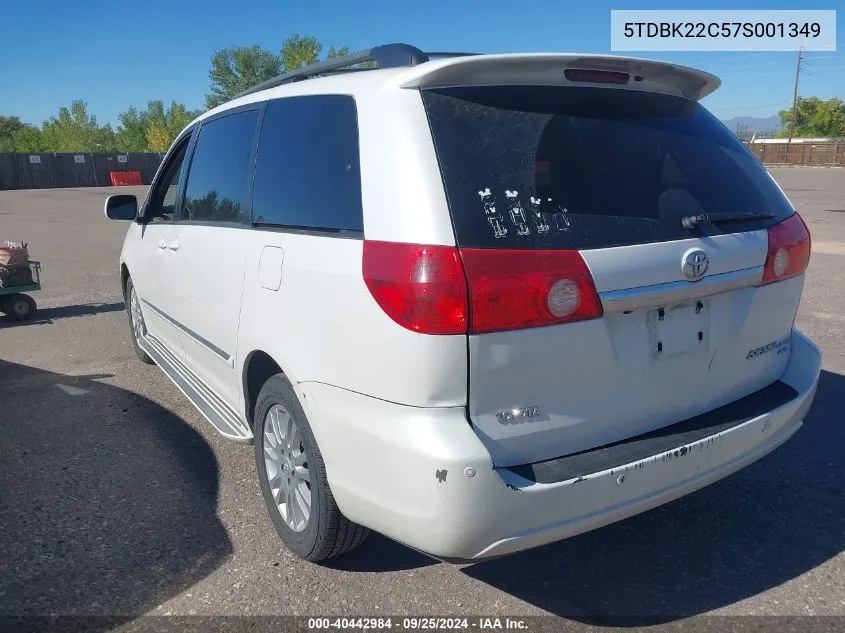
{"points": [[789, 250], [596, 76]]}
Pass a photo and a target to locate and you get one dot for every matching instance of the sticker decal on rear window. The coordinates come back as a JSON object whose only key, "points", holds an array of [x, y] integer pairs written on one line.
{"points": [[782, 346], [539, 219], [517, 213], [546, 216], [561, 217], [493, 217]]}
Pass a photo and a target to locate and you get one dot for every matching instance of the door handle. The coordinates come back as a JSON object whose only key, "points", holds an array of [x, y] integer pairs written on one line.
{"points": [[162, 244], [174, 245]]}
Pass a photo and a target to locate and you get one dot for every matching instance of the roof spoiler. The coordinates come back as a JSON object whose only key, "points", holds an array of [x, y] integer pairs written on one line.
{"points": [[548, 69]]}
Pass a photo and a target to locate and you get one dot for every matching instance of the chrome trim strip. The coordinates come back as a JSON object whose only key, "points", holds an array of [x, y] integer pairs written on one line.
{"points": [[199, 339], [661, 295]]}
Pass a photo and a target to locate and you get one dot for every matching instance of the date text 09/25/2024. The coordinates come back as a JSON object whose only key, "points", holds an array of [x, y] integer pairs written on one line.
{"points": [[417, 624]]}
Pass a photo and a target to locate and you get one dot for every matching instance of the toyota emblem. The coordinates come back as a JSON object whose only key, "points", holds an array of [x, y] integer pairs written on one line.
{"points": [[695, 264]]}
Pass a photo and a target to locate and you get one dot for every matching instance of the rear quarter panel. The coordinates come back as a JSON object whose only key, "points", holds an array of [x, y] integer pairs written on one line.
{"points": [[322, 325]]}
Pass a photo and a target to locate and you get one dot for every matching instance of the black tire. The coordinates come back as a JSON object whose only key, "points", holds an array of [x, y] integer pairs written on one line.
{"points": [[328, 533], [141, 354], [19, 307]]}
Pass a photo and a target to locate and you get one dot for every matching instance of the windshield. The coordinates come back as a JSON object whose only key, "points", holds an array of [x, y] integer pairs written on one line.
{"points": [[548, 167]]}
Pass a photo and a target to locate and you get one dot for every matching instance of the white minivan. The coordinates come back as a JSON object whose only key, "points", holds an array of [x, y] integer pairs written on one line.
{"points": [[476, 303]]}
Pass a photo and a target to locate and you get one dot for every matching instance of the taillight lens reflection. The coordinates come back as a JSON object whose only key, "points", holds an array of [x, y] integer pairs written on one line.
{"points": [[789, 250], [512, 289], [422, 288]]}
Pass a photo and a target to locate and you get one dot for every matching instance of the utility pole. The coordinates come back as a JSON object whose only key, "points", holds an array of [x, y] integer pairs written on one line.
{"points": [[795, 97]]}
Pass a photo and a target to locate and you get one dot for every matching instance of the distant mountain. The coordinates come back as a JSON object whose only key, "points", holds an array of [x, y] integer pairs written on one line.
{"points": [[750, 124]]}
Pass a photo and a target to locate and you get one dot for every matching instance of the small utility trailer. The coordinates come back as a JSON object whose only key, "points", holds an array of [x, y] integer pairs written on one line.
{"points": [[16, 279]]}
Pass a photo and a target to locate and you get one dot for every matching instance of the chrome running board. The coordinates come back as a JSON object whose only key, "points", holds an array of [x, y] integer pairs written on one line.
{"points": [[222, 417]]}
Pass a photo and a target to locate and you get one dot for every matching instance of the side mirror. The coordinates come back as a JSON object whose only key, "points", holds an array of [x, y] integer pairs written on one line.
{"points": [[121, 207]]}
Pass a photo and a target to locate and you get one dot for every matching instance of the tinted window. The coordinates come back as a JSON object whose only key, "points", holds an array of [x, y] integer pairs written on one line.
{"points": [[218, 178], [552, 167], [163, 200], [307, 172]]}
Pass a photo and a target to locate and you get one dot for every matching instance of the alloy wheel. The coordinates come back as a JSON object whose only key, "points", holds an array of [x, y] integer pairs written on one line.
{"points": [[287, 467]]}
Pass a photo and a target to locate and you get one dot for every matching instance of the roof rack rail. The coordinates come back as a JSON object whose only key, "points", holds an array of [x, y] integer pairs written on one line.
{"points": [[386, 56], [432, 55]]}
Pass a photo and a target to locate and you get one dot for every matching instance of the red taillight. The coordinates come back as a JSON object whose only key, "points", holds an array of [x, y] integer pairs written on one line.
{"points": [[596, 76], [520, 289], [789, 250], [424, 288], [420, 287]]}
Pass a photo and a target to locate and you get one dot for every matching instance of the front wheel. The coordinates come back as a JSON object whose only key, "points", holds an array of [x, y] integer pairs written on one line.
{"points": [[19, 307], [293, 478], [136, 321]]}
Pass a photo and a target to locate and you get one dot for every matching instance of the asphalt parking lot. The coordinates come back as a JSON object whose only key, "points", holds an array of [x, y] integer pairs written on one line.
{"points": [[116, 497]]}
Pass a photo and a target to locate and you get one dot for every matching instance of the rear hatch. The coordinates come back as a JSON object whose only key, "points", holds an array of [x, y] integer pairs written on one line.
{"points": [[604, 301]]}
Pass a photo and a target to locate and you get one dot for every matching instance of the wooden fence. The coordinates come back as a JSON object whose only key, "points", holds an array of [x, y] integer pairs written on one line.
{"points": [[808, 154]]}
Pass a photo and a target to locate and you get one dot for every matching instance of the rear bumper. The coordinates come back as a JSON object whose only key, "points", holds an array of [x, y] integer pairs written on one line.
{"points": [[422, 476]]}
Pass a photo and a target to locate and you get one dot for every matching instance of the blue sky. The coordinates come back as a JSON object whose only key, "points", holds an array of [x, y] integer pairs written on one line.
{"points": [[115, 54]]}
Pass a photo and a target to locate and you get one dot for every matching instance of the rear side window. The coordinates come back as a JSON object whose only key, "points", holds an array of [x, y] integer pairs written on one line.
{"points": [[307, 174], [218, 179], [547, 167]]}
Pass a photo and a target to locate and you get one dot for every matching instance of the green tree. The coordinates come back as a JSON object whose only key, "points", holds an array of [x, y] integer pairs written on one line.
{"points": [[815, 117], [28, 140], [158, 138], [178, 117], [344, 50], [239, 68], [298, 51], [337, 52], [104, 139], [74, 130], [164, 124], [829, 119], [131, 135], [153, 129], [9, 125]]}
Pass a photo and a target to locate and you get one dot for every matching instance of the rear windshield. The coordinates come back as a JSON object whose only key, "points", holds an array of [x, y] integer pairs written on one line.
{"points": [[547, 167]]}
